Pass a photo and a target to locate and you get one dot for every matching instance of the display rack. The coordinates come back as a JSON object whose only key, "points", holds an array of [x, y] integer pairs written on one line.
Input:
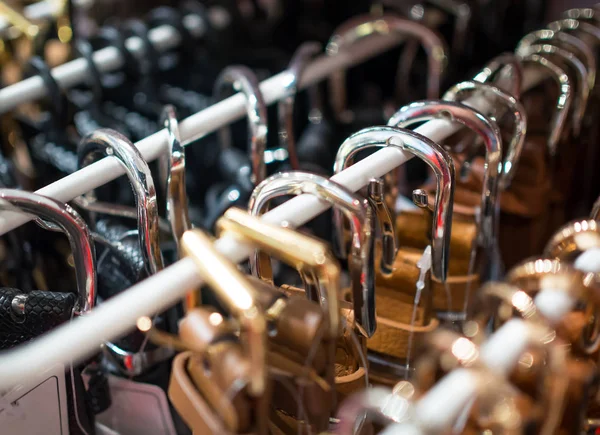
{"points": [[83, 337]]}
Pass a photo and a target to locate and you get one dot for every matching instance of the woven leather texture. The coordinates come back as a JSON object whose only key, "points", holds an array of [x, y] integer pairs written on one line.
{"points": [[120, 268], [43, 311], [123, 264]]}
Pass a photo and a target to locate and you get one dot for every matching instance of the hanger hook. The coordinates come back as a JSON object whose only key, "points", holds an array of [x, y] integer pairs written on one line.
{"points": [[243, 79], [487, 130], [438, 160], [563, 103], [77, 231], [460, 91], [497, 66], [580, 103], [104, 143], [172, 174], [238, 294], [285, 109], [363, 26], [355, 208]]}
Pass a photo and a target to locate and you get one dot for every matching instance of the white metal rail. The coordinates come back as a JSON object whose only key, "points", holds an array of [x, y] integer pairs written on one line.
{"points": [[107, 59]]}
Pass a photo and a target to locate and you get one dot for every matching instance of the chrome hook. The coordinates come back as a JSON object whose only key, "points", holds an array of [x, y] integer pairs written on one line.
{"points": [[580, 104], [457, 93], [285, 109], [497, 66], [588, 14], [77, 231], [566, 41], [438, 160], [172, 170], [563, 102], [363, 26], [571, 24], [459, 9], [355, 208], [485, 128], [244, 80], [109, 143]]}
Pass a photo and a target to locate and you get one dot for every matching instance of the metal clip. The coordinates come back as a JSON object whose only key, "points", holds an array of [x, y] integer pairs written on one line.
{"points": [[364, 26]]}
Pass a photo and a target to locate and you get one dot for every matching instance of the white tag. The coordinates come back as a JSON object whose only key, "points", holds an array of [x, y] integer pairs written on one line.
{"points": [[424, 265], [137, 409], [37, 408]]}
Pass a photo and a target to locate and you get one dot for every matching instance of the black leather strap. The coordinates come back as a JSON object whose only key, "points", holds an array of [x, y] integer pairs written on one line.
{"points": [[121, 264], [43, 310], [55, 96]]}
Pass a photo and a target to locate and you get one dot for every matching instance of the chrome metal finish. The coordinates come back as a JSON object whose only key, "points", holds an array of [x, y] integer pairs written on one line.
{"points": [[563, 102], [580, 103], [461, 12], [364, 26], [244, 80], [386, 224], [420, 198], [571, 24], [355, 208], [77, 231], [105, 142], [438, 160], [497, 66], [567, 42], [588, 14], [285, 109], [485, 128], [460, 91], [18, 304], [172, 171]]}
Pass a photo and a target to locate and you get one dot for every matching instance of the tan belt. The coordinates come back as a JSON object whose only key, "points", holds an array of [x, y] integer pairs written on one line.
{"points": [[190, 405], [397, 319], [392, 338], [459, 282], [458, 286]]}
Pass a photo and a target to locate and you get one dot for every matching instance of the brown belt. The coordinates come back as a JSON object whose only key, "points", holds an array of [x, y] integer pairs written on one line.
{"points": [[392, 338]]}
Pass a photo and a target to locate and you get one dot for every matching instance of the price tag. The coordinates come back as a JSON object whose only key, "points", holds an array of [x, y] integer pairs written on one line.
{"points": [[137, 409], [37, 408]]}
